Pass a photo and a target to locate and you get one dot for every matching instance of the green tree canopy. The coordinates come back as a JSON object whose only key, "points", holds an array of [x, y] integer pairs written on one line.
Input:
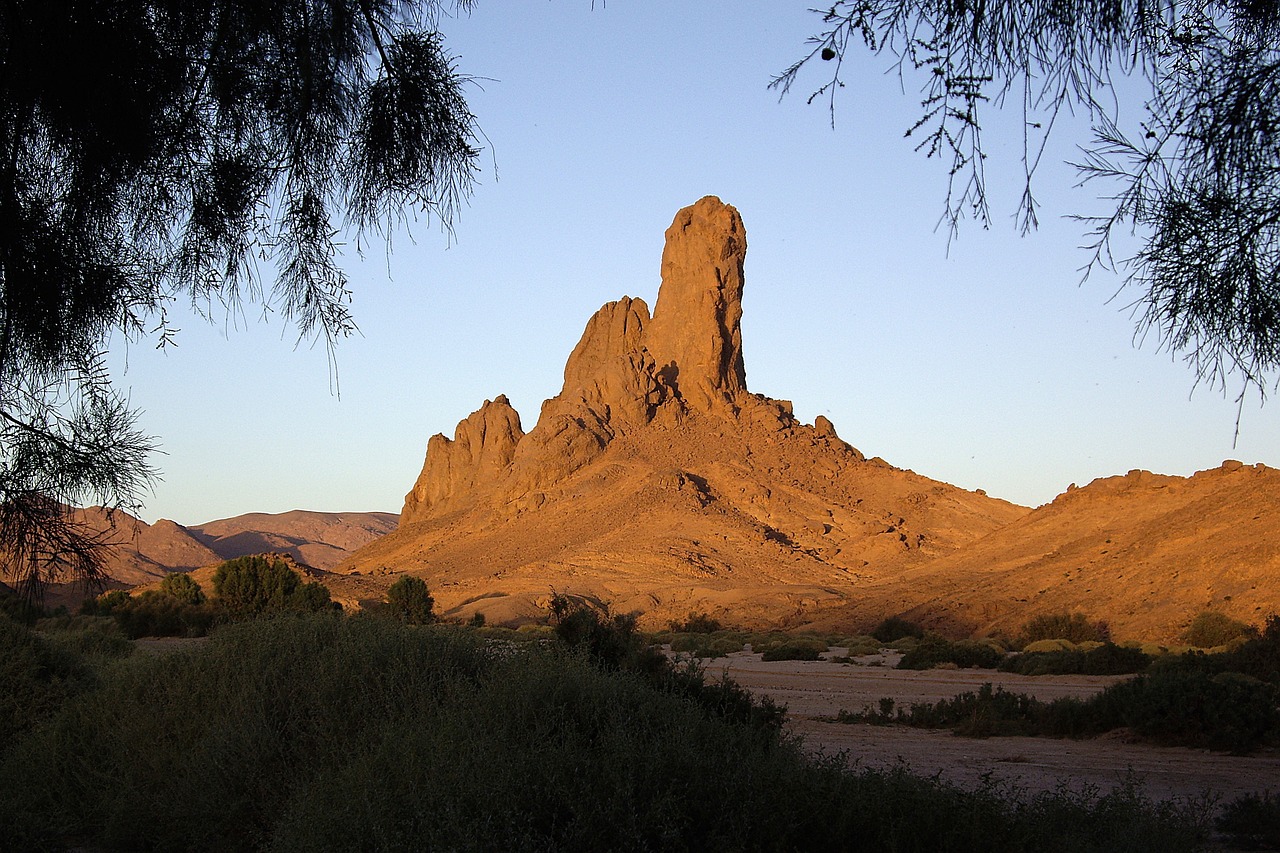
{"points": [[411, 601], [251, 586], [206, 150], [1197, 179], [182, 588]]}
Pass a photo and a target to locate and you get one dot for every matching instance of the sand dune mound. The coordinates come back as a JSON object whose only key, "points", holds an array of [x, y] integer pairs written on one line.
{"points": [[656, 481]]}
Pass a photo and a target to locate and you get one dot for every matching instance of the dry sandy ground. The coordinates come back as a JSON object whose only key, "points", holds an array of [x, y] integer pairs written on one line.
{"points": [[815, 691]]}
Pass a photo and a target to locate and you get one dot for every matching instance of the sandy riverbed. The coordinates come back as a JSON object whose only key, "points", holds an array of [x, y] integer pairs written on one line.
{"points": [[815, 691]]}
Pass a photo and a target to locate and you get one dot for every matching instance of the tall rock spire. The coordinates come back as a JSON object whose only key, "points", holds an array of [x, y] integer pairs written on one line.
{"points": [[695, 336]]}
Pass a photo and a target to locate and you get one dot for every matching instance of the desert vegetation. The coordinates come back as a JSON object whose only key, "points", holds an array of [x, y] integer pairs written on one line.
{"points": [[1229, 700], [297, 730]]}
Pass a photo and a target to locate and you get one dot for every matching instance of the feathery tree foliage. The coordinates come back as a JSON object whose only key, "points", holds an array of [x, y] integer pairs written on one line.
{"points": [[209, 150], [1198, 179]]}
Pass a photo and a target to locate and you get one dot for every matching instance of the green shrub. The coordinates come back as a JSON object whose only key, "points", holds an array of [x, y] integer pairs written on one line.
{"points": [[154, 614], [1074, 627], [1228, 711], [904, 644], [93, 637], [934, 651], [895, 628], [252, 586], [36, 678], [18, 608], [1252, 822], [411, 601], [1210, 629], [704, 645], [795, 648], [106, 603], [183, 588], [862, 646], [1104, 659], [610, 641]]}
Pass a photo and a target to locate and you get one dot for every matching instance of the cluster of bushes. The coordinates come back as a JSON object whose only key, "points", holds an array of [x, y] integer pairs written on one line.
{"points": [[357, 733], [1085, 659], [1211, 629], [934, 651], [1072, 627], [245, 587], [1228, 701]]}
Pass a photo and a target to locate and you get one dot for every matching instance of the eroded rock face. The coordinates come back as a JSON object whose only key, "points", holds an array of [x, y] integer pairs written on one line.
{"points": [[625, 367], [695, 337], [479, 454]]}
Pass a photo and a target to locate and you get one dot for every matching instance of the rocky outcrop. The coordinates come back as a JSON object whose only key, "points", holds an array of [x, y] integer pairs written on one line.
{"points": [[657, 481], [695, 337], [481, 450], [624, 369]]}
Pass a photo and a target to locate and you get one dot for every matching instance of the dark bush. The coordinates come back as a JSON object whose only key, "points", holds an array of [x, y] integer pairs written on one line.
{"points": [[1074, 627], [251, 586], [1107, 659], [895, 628], [36, 677], [152, 614], [411, 601], [796, 648], [106, 604], [934, 650], [1252, 822], [1210, 629], [1228, 711], [182, 588]]}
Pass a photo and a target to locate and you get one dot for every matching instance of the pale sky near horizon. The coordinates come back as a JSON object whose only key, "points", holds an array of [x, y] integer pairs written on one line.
{"points": [[987, 365]]}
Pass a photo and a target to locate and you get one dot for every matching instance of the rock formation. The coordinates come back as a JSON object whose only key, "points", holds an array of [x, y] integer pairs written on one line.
{"points": [[481, 450], [657, 481], [695, 337]]}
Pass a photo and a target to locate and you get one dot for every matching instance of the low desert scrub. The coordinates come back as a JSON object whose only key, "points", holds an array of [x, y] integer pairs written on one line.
{"points": [[1075, 627], [1101, 659], [1214, 630], [696, 623], [1225, 702], [895, 628], [321, 733], [859, 646], [704, 645], [793, 648], [933, 651], [1252, 822]]}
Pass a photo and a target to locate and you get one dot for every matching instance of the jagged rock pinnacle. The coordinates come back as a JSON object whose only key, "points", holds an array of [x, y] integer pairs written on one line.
{"points": [[695, 336]]}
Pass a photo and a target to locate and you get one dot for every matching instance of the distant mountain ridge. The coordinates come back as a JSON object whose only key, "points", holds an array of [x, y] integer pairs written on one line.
{"points": [[142, 553]]}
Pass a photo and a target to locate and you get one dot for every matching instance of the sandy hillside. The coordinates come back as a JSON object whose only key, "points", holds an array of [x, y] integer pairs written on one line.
{"points": [[1142, 551]]}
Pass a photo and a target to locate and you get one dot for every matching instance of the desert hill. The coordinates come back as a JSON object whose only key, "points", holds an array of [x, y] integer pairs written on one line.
{"points": [[317, 539], [141, 554], [1143, 551], [657, 482]]}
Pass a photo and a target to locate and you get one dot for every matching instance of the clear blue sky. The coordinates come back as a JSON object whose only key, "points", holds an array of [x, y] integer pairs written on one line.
{"points": [[988, 366]]}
